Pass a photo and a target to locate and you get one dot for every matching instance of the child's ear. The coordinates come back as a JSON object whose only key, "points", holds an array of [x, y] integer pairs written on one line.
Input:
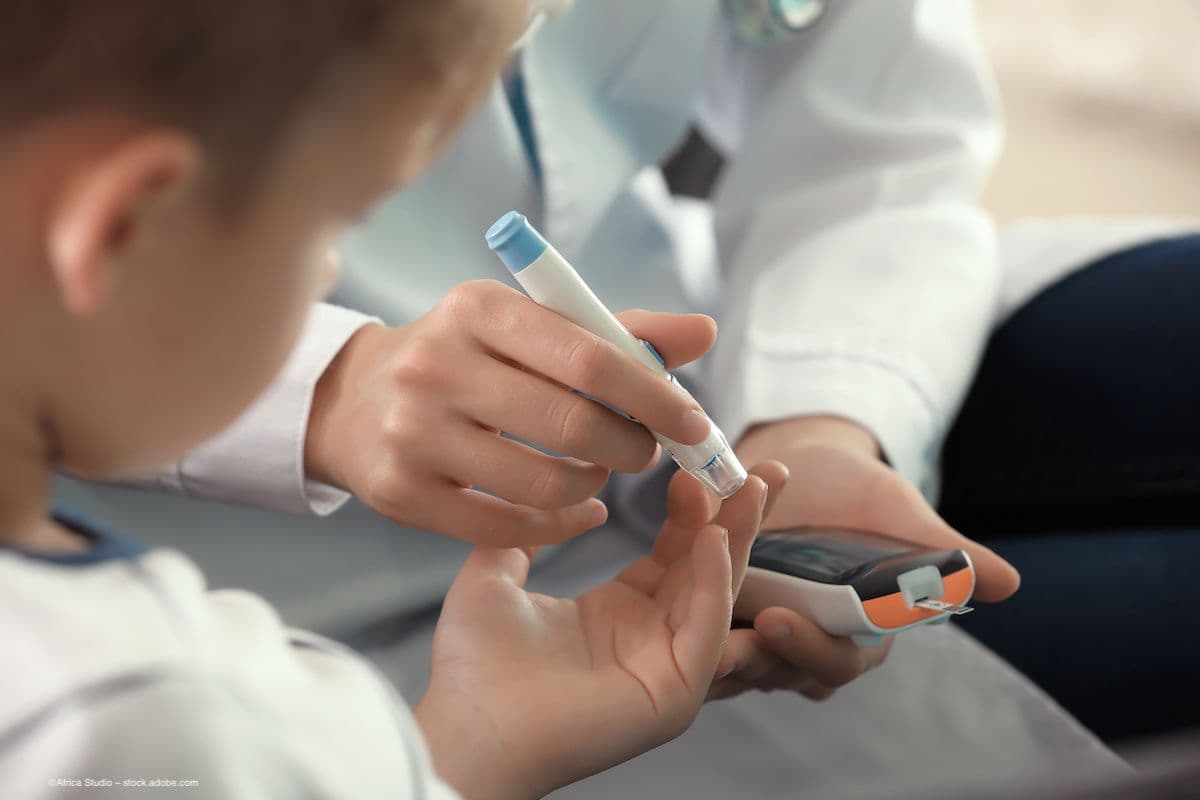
{"points": [[96, 217]]}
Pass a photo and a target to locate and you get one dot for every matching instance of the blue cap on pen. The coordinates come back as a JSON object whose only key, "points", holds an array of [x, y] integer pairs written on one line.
{"points": [[516, 241]]}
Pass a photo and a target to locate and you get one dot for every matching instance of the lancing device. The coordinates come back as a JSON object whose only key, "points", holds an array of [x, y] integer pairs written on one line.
{"points": [[855, 583], [553, 283]]}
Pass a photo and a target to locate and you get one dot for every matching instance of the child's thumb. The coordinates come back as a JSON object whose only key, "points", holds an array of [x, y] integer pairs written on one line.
{"points": [[509, 564]]}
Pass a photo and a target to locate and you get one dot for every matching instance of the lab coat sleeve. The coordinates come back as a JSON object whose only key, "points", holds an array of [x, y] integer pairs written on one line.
{"points": [[860, 273], [259, 459]]}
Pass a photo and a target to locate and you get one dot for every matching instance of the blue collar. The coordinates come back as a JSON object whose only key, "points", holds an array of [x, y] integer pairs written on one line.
{"points": [[106, 545]]}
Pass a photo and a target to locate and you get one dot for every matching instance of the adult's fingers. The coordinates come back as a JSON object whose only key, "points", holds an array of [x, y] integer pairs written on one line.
{"points": [[748, 665], [804, 659], [996, 579], [511, 325], [833, 660], [678, 338], [903, 512], [550, 415], [482, 519], [522, 475], [840, 487]]}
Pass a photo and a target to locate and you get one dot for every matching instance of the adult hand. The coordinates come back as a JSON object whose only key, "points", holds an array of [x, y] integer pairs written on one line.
{"points": [[530, 692], [409, 419], [838, 479]]}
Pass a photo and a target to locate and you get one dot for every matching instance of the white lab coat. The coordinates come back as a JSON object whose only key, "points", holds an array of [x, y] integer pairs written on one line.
{"points": [[851, 271], [843, 255]]}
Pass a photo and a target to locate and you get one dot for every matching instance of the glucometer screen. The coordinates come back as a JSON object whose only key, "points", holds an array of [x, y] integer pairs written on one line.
{"points": [[823, 555]]}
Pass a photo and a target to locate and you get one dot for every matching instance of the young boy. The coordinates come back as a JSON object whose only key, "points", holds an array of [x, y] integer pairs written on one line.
{"points": [[170, 178]]}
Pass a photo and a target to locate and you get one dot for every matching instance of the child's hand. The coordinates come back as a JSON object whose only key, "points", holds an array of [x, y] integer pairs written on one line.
{"points": [[531, 692], [408, 419]]}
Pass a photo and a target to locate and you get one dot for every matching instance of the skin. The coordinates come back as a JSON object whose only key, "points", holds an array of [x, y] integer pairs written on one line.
{"points": [[375, 405], [634, 656], [838, 479], [136, 319], [373, 408], [121, 269]]}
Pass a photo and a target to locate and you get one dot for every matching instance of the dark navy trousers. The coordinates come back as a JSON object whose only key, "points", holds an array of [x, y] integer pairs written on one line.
{"points": [[1076, 456]]}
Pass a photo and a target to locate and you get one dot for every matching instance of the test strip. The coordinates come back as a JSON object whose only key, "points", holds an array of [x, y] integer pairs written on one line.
{"points": [[938, 605]]}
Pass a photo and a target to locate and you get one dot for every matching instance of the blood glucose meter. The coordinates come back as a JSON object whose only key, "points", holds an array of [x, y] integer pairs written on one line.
{"points": [[855, 583]]}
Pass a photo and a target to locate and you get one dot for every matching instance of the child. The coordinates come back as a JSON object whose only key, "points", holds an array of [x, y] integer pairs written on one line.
{"points": [[170, 177]]}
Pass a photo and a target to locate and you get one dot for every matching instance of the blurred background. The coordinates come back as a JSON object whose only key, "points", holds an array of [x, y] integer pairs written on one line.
{"points": [[1102, 103]]}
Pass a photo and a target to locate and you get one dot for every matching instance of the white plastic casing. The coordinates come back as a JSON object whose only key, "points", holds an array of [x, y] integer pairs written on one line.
{"points": [[552, 282], [836, 608]]}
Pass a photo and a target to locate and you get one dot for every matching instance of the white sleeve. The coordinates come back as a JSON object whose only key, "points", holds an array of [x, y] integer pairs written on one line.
{"points": [[179, 739], [259, 459], [861, 274]]}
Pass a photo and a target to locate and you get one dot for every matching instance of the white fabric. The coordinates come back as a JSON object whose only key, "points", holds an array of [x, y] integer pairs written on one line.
{"points": [[848, 224], [131, 670], [259, 459], [856, 152], [844, 256]]}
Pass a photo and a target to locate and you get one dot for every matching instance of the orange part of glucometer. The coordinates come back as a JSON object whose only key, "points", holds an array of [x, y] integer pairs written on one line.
{"points": [[891, 611]]}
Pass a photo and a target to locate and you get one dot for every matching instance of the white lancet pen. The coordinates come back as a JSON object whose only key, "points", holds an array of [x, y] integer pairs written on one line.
{"points": [[553, 283]]}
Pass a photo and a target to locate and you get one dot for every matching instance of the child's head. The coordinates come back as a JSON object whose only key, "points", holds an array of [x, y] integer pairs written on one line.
{"points": [[172, 175]]}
